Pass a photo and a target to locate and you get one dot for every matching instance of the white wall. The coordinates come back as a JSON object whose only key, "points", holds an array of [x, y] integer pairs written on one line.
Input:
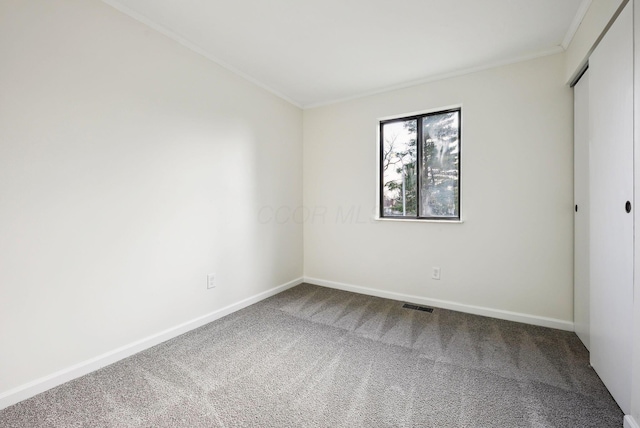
{"points": [[514, 251], [130, 167]]}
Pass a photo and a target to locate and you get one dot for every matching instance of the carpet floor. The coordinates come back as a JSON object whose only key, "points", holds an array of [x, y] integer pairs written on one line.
{"points": [[317, 357]]}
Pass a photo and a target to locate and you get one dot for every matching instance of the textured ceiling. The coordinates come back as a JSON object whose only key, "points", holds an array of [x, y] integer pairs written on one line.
{"points": [[314, 52]]}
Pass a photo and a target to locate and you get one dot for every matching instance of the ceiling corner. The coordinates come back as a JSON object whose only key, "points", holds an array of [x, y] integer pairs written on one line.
{"points": [[575, 24]]}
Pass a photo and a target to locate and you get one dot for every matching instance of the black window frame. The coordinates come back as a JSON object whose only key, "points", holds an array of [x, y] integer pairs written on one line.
{"points": [[419, 135]]}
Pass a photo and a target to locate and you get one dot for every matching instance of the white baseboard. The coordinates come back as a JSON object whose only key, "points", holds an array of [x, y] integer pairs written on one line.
{"points": [[629, 422], [42, 384], [444, 304]]}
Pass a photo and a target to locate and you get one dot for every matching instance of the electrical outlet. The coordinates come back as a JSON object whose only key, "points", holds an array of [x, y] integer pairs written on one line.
{"points": [[211, 283], [435, 273]]}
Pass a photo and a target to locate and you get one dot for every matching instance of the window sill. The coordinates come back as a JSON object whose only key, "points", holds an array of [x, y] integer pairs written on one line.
{"points": [[416, 220]]}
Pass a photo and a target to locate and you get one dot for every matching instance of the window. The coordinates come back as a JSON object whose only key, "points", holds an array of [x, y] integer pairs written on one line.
{"points": [[420, 166]]}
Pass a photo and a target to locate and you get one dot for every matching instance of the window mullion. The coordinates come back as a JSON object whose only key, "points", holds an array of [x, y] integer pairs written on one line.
{"points": [[418, 165], [381, 157]]}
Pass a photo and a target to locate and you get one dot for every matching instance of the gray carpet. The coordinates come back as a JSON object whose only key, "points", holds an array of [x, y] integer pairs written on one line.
{"points": [[316, 357]]}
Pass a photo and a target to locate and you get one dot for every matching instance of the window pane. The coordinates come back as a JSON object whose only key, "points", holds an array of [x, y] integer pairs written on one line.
{"points": [[440, 166], [399, 157]]}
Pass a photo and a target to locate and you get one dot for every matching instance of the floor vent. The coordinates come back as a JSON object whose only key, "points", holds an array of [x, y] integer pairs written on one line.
{"points": [[417, 308]]}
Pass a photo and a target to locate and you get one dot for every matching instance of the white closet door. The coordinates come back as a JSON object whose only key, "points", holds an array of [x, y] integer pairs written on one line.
{"points": [[611, 186], [581, 214]]}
